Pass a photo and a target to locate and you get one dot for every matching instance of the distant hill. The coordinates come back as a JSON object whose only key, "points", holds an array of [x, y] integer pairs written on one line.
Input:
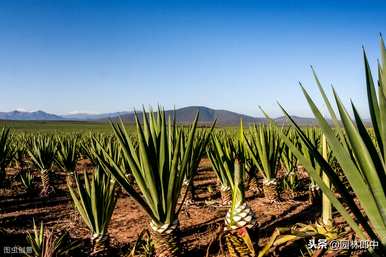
{"points": [[207, 115], [183, 115], [297, 119], [38, 115], [91, 117]]}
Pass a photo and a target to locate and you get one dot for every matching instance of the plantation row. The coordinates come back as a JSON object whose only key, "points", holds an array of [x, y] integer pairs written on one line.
{"points": [[156, 164], [237, 158]]}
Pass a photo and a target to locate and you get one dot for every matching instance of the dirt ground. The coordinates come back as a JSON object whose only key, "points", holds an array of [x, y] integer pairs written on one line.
{"points": [[200, 221]]}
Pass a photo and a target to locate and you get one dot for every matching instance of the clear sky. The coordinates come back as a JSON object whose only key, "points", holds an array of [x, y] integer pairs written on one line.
{"points": [[103, 56]]}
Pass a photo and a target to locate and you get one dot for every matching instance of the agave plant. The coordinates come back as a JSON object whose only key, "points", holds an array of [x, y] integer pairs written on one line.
{"points": [[113, 148], [265, 149], [27, 179], [42, 153], [20, 154], [240, 217], [7, 152], [44, 243], [313, 136], [95, 201], [67, 156], [251, 170], [158, 166], [288, 159], [251, 175], [222, 154], [363, 162], [290, 183], [284, 235], [143, 246], [289, 162], [89, 147], [199, 145], [228, 158], [35, 240], [109, 143]]}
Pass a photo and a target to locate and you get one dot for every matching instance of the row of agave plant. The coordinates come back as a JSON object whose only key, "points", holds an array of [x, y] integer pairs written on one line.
{"points": [[265, 154], [95, 199], [155, 165], [44, 152]]}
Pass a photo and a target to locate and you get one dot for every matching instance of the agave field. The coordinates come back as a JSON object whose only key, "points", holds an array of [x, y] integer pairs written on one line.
{"points": [[155, 188]]}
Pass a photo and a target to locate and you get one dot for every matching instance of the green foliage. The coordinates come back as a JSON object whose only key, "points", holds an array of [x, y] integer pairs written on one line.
{"points": [[199, 146], [95, 200], [43, 151], [36, 239], [55, 127], [45, 244], [7, 151], [68, 153], [362, 159], [288, 160], [227, 157], [27, 179], [222, 153], [265, 147], [158, 164], [20, 152], [237, 185], [143, 246]]}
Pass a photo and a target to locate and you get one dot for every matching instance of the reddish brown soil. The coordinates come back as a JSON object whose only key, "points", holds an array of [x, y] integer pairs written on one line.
{"points": [[199, 222]]}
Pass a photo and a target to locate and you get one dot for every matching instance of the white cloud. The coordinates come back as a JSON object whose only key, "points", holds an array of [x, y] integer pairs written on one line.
{"points": [[22, 110], [80, 112]]}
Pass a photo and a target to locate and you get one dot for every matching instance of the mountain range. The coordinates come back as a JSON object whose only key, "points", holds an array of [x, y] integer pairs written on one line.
{"points": [[183, 115]]}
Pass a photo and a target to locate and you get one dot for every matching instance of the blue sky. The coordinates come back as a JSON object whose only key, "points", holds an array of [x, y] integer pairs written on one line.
{"points": [[103, 56]]}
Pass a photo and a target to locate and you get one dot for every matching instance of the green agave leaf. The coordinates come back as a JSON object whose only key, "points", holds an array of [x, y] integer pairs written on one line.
{"points": [[334, 178], [373, 102], [157, 165]]}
